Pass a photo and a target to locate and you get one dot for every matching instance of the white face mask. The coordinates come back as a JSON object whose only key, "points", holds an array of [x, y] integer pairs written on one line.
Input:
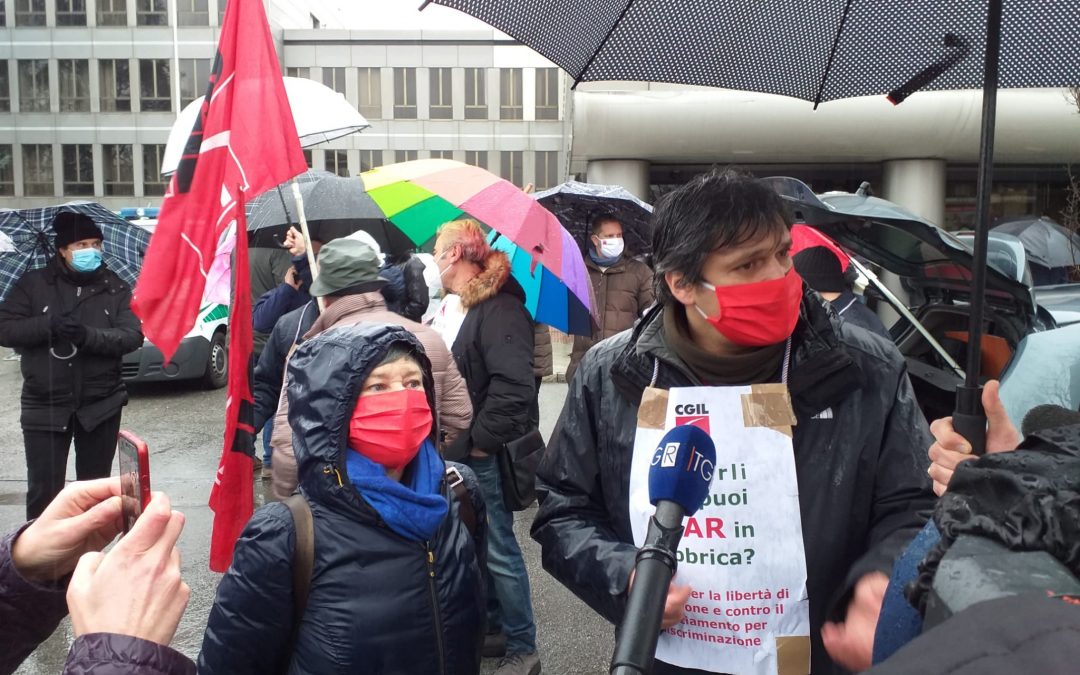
{"points": [[611, 248]]}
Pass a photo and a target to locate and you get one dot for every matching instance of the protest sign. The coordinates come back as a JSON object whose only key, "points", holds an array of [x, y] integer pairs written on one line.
{"points": [[742, 553]]}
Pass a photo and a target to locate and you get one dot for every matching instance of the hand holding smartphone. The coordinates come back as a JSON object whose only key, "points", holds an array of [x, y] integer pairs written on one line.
{"points": [[134, 476]]}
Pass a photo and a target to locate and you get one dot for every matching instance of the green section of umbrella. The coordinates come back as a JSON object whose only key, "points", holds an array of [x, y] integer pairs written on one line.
{"points": [[420, 222], [396, 197]]}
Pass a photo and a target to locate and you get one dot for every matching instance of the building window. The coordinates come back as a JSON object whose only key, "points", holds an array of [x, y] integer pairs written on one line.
{"points": [[476, 107], [152, 12], [442, 154], [37, 171], [406, 155], [405, 93], [112, 12], [477, 158], [193, 12], [119, 170], [74, 85], [30, 13], [5, 87], [194, 75], [513, 167], [547, 169], [34, 86], [369, 81], [510, 94], [307, 158], [335, 79], [547, 93], [70, 12], [154, 94], [221, 12], [7, 171], [370, 159], [154, 183], [78, 169], [3, 13], [336, 162], [115, 85], [298, 72], [442, 101]]}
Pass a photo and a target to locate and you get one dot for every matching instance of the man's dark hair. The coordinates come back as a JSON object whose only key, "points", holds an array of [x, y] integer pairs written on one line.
{"points": [[724, 207], [599, 221]]}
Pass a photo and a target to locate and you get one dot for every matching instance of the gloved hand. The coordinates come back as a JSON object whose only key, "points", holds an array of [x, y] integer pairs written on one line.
{"points": [[71, 330]]}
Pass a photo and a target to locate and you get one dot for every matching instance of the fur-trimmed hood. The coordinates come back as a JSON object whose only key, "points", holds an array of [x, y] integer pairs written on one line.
{"points": [[490, 281]]}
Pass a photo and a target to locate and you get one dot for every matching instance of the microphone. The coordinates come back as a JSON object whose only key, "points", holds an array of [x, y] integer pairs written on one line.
{"points": [[1047, 416], [679, 478]]}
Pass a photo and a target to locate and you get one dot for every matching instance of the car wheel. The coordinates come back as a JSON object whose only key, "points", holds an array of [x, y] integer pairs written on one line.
{"points": [[217, 363]]}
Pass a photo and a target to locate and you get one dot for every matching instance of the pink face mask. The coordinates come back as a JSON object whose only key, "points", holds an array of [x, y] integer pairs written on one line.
{"points": [[758, 314], [389, 428]]}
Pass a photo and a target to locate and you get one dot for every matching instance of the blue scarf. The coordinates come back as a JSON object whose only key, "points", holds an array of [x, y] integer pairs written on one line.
{"points": [[415, 510], [603, 261]]}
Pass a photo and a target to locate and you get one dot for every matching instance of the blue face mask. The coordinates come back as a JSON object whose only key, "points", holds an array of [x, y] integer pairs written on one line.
{"points": [[85, 259]]}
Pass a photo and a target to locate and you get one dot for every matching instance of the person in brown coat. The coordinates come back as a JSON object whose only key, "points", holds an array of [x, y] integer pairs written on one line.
{"points": [[349, 283], [622, 287]]}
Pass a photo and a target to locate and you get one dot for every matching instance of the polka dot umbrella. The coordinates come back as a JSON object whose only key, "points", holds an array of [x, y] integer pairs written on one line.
{"points": [[419, 196]]}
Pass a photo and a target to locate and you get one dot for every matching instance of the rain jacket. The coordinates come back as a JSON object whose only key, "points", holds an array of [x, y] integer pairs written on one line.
{"points": [[379, 603], [89, 384], [542, 356], [860, 457], [622, 293], [407, 292], [452, 410], [270, 370], [282, 299], [494, 352], [30, 612]]}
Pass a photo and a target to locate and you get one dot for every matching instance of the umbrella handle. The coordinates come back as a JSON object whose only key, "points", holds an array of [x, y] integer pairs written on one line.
{"points": [[969, 418]]}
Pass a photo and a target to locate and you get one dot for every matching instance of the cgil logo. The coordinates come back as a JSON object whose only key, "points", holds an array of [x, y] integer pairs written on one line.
{"points": [[694, 414]]}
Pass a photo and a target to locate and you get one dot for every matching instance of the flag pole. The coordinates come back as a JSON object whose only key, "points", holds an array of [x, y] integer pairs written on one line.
{"points": [[307, 239]]}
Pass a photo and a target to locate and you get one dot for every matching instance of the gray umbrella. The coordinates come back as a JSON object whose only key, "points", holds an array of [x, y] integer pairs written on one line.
{"points": [[1046, 242], [577, 205]]}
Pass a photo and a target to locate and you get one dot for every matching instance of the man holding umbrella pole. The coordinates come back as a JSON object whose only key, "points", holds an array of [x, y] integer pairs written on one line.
{"points": [[72, 322]]}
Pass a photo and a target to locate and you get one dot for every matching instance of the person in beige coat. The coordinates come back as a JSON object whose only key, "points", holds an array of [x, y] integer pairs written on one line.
{"points": [[348, 282], [622, 286]]}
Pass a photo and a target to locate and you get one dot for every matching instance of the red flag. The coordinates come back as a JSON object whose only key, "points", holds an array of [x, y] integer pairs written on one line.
{"points": [[244, 141]]}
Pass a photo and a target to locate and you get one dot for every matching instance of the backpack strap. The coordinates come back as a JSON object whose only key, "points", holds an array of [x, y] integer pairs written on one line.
{"points": [[465, 506], [303, 564]]}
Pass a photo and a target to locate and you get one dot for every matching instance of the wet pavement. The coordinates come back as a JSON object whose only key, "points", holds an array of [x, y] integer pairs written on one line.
{"points": [[183, 427]]}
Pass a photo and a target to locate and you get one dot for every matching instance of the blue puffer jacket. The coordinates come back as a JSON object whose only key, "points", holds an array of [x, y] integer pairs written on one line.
{"points": [[379, 603]]}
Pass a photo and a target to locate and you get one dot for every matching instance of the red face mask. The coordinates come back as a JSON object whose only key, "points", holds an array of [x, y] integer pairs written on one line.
{"points": [[389, 428], [757, 314]]}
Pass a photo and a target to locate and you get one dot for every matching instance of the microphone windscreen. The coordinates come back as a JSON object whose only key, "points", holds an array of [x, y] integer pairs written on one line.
{"points": [[682, 468], [1047, 416]]}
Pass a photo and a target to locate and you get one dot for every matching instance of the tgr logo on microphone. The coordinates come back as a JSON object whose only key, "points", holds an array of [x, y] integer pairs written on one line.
{"points": [[694, 414], [667, 459]]}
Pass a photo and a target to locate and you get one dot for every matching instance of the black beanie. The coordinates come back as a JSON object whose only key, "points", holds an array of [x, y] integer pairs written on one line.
{"points": [[71, 227], [820, 268]]}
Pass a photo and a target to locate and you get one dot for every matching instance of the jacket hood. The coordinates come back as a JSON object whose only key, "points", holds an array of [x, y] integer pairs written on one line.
{"points": [[490, 281], [325, 375]]}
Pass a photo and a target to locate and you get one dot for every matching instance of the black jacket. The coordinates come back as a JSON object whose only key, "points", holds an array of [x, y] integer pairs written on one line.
{"points": [[89, 383], [861, 470], [270, 370], [494, 352], [416, 290], [379, 603]]}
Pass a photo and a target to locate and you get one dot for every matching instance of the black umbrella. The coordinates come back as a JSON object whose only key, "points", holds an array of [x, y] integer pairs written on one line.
{"points": [[577, 205], [1047, 243], [818, 51]]}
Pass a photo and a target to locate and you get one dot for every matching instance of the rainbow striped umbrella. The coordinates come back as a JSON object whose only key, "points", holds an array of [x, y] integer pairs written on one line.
{"points": [[419, 196]]}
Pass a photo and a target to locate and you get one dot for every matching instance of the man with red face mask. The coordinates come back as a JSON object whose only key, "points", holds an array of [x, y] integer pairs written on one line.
{"points": [[731, 310]]}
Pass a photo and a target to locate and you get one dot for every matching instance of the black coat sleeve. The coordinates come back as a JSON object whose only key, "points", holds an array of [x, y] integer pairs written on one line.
{"points": [[506, 339], [29, 612], [416, 290], [250, 623], [19, 327], [124, 336], [579, 545], [269, 374]]}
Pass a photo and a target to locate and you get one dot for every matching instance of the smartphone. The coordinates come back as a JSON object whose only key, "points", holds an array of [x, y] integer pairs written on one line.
{"points": [[134, 476]]}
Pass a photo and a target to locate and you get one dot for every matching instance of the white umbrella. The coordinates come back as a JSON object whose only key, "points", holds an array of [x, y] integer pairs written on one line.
{"points": [[321, 114]]}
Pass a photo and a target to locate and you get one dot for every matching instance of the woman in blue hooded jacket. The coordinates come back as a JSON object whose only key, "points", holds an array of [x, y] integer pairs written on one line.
{"points": [[396, 584]]}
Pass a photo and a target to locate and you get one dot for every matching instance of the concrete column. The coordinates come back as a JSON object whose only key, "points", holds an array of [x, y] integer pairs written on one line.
{"points": [[632, 174], [918, 185]]}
